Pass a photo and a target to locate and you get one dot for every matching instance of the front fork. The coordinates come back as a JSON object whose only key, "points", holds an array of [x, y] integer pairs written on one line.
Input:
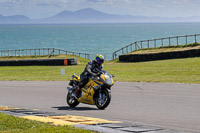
{"points": [[100, 94], [100, 100], [71, 90]]}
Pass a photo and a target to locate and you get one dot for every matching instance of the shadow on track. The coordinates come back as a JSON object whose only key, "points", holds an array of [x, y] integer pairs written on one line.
{"points": [[75, 108]]}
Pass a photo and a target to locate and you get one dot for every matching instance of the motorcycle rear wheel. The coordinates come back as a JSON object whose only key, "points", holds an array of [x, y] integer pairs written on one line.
{"points": [[103, 102], [71, 100]]}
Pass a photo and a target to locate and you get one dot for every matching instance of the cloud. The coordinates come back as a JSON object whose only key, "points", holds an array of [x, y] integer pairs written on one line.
{"points": [[131, 7], [49, 4], [97, 0], [7, 3], [23, 3]]}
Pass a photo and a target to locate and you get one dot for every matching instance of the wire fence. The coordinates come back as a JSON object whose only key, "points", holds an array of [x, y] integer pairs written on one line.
{"points": [[40, 52], [49, 52], [154, 43]]}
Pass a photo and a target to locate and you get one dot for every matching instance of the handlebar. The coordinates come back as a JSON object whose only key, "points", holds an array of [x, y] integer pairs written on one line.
{"points": [[95, 77]]}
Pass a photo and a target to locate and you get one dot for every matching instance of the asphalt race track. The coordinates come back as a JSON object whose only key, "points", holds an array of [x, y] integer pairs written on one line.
{"points": [[164, 105]]}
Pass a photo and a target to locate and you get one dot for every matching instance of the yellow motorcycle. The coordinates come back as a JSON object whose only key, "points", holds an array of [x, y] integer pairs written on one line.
{"points": [[96, 92]]}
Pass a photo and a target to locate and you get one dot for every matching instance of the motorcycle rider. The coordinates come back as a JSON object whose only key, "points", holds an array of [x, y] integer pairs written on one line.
{"points": [[92, 69]]}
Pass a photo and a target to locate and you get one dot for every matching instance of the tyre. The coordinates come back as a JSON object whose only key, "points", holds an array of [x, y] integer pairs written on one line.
{"points": [[104, 101], [71, 100]]}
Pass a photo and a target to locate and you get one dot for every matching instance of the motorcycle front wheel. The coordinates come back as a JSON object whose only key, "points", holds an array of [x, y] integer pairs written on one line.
{"points": [[71, 100], [103, 101]]}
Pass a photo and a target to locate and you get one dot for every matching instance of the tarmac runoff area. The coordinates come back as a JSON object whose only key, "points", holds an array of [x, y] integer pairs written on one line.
{"points": [[135, 107]]}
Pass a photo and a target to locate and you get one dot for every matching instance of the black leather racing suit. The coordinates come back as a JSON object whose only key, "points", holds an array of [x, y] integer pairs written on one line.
{"points": [[91, 69]]}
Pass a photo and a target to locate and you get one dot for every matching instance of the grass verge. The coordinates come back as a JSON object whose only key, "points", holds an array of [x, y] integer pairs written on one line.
{"points": [[12, 124], [177, 70], [174, 71]]}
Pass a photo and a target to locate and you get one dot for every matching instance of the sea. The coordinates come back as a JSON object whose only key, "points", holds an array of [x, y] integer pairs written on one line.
{"points": [[88, 38]]}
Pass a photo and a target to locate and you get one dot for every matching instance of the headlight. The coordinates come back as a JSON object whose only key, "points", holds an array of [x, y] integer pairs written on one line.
{"points": [[109, 81], [107, 77]]}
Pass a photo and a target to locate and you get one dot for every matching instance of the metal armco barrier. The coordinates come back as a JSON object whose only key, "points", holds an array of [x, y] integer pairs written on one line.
{"points": [[40, 62]]}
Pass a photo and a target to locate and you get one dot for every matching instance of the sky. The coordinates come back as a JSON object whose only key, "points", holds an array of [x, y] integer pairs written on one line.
{"points": [[45, 8]]}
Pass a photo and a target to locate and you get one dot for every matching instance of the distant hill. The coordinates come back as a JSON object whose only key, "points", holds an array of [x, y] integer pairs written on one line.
{"points": [[13, 19], [90, 15]]}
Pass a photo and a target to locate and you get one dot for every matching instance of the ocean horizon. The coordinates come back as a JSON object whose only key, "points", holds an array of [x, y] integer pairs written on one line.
{"points": [[96, 38]]}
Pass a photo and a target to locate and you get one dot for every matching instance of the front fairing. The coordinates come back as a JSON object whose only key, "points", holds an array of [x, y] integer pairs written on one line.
{"points": [[106, 78]]}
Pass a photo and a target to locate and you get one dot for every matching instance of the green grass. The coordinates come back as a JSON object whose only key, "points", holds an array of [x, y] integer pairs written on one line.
{"points": [[38, 73], [176, 70], [12, 124]]}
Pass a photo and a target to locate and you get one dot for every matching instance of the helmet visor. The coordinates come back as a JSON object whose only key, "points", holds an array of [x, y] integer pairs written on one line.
{"points": [[100, 61]]}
